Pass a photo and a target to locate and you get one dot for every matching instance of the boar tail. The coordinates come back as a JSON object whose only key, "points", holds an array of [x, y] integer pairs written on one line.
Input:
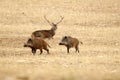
{"points": [[48, 45]]}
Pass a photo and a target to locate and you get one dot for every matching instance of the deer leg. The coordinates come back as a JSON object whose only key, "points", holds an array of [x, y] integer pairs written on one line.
{"points": [[50, 37]]}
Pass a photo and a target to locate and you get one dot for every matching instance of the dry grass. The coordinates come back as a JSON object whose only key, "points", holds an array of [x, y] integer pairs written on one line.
{"points": [[94, 22]]}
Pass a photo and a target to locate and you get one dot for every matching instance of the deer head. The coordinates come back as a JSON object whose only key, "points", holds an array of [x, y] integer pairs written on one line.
{"points": [[54, 25]]}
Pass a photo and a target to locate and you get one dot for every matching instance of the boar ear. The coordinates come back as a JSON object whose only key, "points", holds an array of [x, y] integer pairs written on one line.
{"points": [[65, 37], [30, 39]]}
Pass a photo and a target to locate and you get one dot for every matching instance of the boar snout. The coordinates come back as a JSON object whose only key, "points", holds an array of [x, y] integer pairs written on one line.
{"points": [[60, 44], [63, 43], [25, 45]]}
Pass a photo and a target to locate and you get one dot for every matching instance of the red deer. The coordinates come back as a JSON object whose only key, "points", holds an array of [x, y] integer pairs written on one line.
{"points": [[70, 42], [37, 43], [47, 33]]}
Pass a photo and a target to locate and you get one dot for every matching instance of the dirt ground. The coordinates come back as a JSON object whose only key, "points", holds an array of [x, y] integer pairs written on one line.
{"points": [[94, 22]]}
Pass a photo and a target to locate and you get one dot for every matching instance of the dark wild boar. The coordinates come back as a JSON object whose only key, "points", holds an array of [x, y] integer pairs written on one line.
{"points": [[37, 43], [47, 33], [70, 42]]}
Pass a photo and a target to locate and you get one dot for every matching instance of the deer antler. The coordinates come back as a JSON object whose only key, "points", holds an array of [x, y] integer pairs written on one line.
{"points": [[47, 20], [60, 20]]}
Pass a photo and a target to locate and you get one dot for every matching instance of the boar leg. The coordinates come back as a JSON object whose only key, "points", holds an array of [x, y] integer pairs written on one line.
{"points": [[33, 51], [41, 51], [77, 49], [67, 49], [46, 50]]}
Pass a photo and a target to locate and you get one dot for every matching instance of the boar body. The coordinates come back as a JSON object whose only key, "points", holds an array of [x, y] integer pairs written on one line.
{"points": [[70, 42], [37, 43]]}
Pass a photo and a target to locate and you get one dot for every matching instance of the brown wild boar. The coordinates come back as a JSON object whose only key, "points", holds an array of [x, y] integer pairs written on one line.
{"points": [[70, 42], [46, 33], [37, 43]]}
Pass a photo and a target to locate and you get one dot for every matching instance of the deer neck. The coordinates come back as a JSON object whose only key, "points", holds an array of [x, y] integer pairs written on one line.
{"points": [[52, 31]]}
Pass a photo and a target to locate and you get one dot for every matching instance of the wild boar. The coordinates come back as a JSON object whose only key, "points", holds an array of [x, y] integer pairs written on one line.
{"points": [[70, 42], [37, 43]]}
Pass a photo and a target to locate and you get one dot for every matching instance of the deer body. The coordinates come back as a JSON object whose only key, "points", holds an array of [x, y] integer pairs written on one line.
{"points": [[43, 34], [46, 33]]}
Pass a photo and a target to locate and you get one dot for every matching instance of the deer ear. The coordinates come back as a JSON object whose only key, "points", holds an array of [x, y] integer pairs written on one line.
{"points": [[54, 24]]}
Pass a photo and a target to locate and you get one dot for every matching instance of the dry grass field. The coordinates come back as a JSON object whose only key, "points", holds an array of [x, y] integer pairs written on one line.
{"points": [[94, 22]]}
